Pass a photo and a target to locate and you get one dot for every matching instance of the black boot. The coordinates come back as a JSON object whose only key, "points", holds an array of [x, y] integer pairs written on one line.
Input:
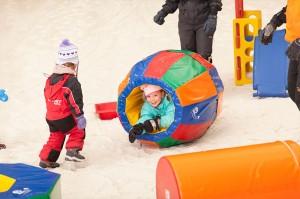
{"points": [[132, 137], [46, 164], [74, 155], [2, 146]]}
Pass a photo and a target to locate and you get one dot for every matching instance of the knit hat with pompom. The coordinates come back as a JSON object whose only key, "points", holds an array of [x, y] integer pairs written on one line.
{"points": [[67, 52]]}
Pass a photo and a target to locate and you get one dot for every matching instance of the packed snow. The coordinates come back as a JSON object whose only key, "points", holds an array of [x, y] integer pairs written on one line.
{"points": [[112, 36]]}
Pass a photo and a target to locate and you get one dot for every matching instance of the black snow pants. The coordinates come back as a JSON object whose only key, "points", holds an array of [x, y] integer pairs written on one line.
{"points": [[294, 82], [192, 17], [193, 38]]}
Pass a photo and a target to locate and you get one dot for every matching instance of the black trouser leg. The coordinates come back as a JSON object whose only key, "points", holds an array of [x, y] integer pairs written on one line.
{"points": [[292, 79], [294, 82], [204, 43], [297, 91], [187, 37]]}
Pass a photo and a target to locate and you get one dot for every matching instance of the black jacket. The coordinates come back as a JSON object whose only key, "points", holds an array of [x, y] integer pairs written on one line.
{"points": [[193, 11]]}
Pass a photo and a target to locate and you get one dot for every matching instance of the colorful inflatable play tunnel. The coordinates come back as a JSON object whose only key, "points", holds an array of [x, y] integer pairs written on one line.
{"points": [[193, 85], [20, 181], [263, 171]]}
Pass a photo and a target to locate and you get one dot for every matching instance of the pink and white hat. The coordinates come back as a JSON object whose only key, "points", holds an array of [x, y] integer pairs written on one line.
{"points": [[150, 88]]}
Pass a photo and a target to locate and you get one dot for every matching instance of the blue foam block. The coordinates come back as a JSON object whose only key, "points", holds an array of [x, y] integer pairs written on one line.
{"points": [[30, 182], [270, 67]]}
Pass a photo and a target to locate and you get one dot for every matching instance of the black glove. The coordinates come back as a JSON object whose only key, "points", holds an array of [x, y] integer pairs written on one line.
{"points": [[152, 125], [267, 33], [277, 20], [159, 18], [210, 25], [293, 51], [134, 131]]}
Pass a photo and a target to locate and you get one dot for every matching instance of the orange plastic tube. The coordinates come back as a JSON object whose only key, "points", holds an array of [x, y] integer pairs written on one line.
{"points": [[264, 171]]}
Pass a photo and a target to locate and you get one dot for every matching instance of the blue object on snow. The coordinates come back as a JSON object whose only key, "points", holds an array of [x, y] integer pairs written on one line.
{"points": [[270, 67], [21, 181], [3, 96]]}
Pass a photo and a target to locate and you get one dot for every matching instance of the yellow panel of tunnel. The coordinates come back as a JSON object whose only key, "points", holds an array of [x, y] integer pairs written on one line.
{"points": [[123, 83], [134, 103]]}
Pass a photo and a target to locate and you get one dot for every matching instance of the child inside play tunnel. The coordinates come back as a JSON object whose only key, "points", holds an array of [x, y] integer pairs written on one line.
{"points": [[157, 112]]}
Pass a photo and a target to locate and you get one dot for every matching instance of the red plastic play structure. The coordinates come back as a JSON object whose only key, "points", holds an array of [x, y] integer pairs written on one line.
{"points": [[239, 8], [239, 13]]}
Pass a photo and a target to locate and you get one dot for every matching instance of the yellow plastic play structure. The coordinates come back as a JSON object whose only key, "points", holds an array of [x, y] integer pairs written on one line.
{"points": [[245, 28]]}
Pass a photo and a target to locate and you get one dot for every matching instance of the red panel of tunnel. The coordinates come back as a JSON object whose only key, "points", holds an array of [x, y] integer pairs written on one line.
{"points": [[201, 60], [189, 132], [161, 63]]}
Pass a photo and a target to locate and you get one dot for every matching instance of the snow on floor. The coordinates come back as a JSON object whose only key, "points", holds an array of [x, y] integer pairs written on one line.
{"points": [[112, 36]]}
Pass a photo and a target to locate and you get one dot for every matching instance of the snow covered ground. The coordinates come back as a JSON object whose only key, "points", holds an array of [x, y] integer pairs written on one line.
{"points": [[112, 36]]}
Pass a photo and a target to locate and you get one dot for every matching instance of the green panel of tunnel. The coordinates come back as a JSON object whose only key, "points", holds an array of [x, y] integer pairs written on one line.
{"points": [[187, 67], [167, 142]]}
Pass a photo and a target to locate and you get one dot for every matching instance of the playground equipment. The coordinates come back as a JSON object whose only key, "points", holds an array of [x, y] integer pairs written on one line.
{"points": [[3, 96], [269, 170], [270, 67], [245, 28], [193, 85], [106, 110], [23, 181]]}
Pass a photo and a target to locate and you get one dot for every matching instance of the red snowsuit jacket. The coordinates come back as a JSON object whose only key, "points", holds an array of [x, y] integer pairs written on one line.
{"points": [[63, 96]]}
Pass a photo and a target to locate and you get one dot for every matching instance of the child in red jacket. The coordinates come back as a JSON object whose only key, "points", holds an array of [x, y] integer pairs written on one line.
{"points": [[64, 104]]}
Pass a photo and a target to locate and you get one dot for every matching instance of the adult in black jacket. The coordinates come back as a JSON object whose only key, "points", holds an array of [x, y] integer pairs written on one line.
{"points": [[291, 16], [197, 23]]}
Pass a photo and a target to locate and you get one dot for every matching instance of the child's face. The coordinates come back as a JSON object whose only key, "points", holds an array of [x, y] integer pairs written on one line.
{"points": [[71, 65], [155, 98]]}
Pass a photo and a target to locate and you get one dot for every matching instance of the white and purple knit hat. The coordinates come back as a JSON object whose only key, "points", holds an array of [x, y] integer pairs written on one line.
{"points": [[67, 52]]}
